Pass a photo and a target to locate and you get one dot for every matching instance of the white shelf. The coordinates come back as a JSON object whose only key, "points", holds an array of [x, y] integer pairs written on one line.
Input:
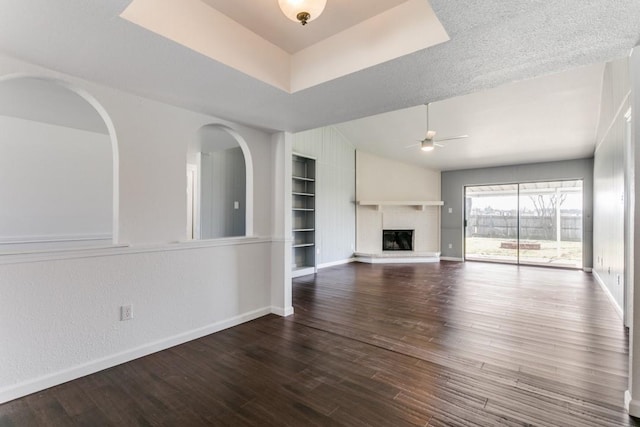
{"points": [[302, 210], [420, 204], [303, 245], [303, 229], [301, 178], [303, 194]]}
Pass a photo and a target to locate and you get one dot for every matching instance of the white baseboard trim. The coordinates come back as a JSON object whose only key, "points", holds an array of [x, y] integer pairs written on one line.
{"points": [[303, 271], [632, 406], [451, 258], [32, 386], [53, 238], [587, 269], [408, 260], [335, 263], [397, 257], [608, 293], [283, 312]]}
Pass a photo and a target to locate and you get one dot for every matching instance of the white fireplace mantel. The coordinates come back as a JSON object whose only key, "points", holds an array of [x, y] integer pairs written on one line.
{"points": [[420, 204]]}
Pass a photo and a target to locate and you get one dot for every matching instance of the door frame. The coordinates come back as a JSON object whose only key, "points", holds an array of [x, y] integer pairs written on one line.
{"points": [[517, 184], [193, 202]]}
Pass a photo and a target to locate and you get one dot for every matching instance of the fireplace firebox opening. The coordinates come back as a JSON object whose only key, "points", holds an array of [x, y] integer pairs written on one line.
{"points": [[397, 240]]}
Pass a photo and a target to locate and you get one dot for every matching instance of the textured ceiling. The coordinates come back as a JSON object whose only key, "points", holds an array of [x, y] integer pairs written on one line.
{"points": [[548, 118], [266, 20], [407, 28], [492, 42]]}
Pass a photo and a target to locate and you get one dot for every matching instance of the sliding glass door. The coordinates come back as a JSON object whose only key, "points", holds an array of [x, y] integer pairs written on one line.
{"points": [[492, 223], [537, 223], [551, 223]]}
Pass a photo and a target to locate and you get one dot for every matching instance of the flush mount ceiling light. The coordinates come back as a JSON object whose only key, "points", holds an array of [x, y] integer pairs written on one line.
{"points": [[302, 11]]}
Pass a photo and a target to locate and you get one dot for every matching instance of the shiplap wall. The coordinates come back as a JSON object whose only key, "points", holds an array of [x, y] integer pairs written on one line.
{"points": [[609, 180], [222, 183], [335, 191]]}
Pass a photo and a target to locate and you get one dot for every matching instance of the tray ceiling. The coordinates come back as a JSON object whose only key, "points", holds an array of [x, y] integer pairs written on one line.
{"points": [[266, 20]]}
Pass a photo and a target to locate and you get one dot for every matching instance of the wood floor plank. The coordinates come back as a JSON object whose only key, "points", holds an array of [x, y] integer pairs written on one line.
{"points": [[446, 344]]}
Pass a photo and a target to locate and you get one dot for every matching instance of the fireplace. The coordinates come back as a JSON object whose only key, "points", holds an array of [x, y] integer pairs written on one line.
{"points": [[397, 240]]}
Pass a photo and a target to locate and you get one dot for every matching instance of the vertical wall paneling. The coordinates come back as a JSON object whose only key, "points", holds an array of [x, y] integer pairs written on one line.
{"points": [[609, 181], [222, 184], [632, 395], [335, 192]]}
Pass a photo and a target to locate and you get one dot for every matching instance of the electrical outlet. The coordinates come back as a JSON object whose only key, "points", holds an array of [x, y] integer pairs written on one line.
{"points": [[450, 210], [236, 205], [450, 246], [126, 312]]}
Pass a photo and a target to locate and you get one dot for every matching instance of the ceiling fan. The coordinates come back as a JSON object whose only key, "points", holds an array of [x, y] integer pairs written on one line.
{"points": [[429, 143]]}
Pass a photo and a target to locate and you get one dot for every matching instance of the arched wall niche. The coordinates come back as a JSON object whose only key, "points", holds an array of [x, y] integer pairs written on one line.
{"points": [[61, 130], [219, 184]]}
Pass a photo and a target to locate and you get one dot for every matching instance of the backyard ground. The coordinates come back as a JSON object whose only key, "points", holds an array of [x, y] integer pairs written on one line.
{"points": [[484, 248]]}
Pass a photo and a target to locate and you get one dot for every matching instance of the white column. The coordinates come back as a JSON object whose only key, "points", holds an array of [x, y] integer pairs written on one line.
{"points": [[281, 225]]}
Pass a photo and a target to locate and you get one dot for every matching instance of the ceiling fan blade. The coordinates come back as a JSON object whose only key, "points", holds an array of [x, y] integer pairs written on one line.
{"points": [[438, 145], [452, 138], [412, 145]]}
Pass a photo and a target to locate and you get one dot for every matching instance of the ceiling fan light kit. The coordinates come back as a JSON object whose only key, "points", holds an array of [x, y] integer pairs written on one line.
{"points": [[429, 141], [427, 145], [302, 11]]}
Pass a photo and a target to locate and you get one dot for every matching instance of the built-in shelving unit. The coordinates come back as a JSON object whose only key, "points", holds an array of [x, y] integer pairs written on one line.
{"points": [[303, 210]]}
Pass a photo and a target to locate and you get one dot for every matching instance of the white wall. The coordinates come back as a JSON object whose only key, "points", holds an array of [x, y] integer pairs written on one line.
{"points": [[59, 311], [55, 182], [335, 191], [380, 179], [609, 181], [383, 179]]}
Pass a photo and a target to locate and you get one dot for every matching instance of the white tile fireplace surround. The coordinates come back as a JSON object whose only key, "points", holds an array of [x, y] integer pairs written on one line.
{"points": [[421, 217]]}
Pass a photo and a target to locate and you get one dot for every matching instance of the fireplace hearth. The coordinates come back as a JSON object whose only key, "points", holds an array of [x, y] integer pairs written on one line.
{"points": [[397, 240]]}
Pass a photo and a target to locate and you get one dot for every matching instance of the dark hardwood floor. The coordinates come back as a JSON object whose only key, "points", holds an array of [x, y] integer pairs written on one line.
{"points": [[446, 344]]}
